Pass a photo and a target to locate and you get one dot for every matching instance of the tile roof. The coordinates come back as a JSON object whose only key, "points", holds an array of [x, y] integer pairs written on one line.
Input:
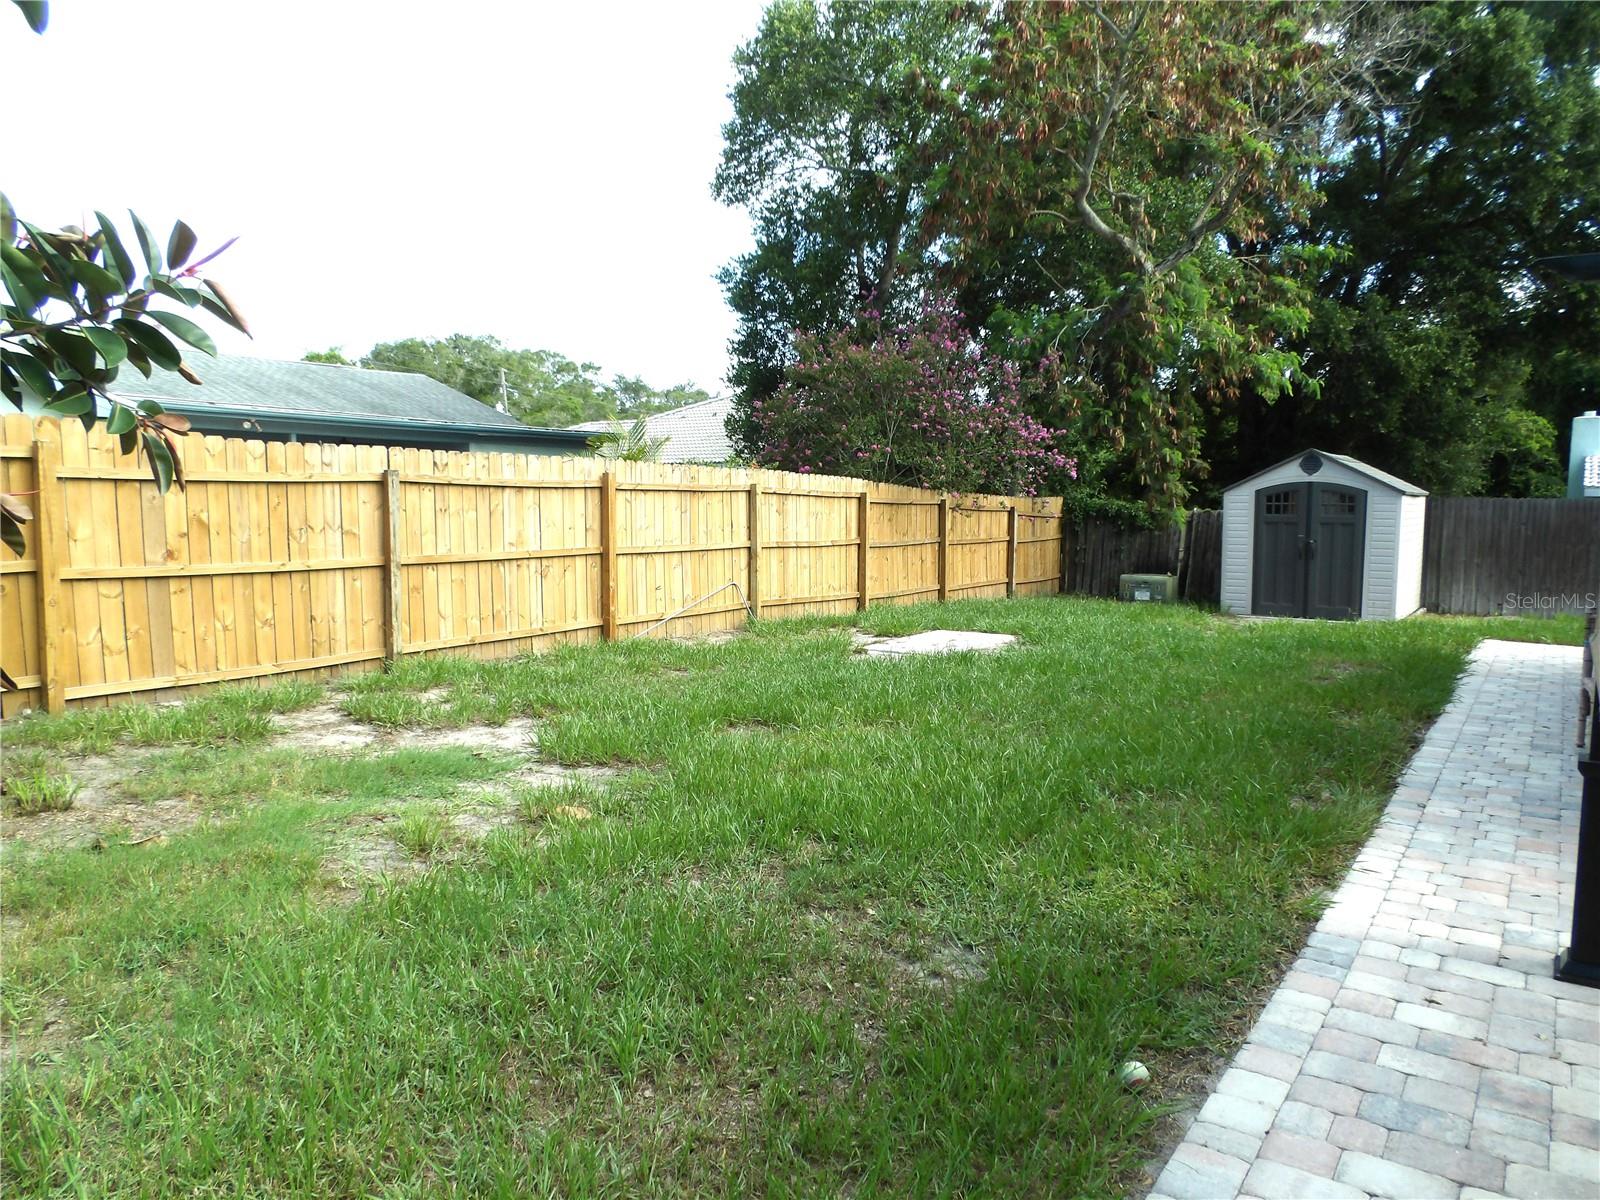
{"points": [[694, 433], [286, 389]]}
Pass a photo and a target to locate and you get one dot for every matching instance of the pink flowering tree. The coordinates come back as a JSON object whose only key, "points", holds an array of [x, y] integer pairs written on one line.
{"points": [[921, 404]]}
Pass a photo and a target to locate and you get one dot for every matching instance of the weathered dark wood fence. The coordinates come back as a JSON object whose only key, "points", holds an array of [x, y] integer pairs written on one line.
{"points": [[1480, 556], [1100, 551], [1483, 556]]}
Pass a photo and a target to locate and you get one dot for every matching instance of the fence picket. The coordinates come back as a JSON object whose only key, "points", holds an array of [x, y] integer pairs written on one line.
{"points": [[296, 557]]}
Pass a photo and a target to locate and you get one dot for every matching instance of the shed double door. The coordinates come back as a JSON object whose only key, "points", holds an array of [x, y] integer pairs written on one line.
{"points": [[1310, 539]]}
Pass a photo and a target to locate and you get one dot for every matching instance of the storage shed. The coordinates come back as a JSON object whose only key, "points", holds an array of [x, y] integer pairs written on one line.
{"points": [[1323, 535]]}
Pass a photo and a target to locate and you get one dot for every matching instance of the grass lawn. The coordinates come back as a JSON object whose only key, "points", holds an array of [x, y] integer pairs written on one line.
{"points": [[837, 925]]}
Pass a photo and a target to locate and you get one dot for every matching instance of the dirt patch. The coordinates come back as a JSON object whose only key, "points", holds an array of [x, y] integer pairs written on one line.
{"points": [[101, 814], [516, 736], [538, 775], [44, 1040], [750, 726], [477, 809], [948, 965], [328, 729], [322, 727], [714, 637], [371, 855], [1332, 672]]}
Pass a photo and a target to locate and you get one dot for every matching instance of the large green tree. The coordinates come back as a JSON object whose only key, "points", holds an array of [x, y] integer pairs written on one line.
{"points": [[1439, 352], [1117, 171], [1095, 180], [828, 150]]}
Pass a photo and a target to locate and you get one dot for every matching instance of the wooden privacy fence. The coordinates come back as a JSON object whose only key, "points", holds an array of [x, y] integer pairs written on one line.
{"points": [[285, 558], [1484, 556], [1480, 556], [1103, 551]]}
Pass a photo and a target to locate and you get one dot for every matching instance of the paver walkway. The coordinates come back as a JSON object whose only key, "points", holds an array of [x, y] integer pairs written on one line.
{"points": [[1419, 1046]]}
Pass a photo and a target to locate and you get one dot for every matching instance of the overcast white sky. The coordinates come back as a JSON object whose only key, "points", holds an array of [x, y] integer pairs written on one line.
{"points": [[536, 171]]}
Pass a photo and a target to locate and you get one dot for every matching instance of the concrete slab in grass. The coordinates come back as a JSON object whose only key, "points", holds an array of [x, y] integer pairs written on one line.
{"points": [[937, 641]]}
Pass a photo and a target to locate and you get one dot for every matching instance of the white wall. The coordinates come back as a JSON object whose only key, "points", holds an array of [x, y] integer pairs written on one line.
{"points": [[1408, 580], [1238, 528], [1381, 592], [1382, 554]]}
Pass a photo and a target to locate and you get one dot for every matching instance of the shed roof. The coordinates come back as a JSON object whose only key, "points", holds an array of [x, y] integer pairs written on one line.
{"points": [[694, 433], [1355, 464], [322, 391]]}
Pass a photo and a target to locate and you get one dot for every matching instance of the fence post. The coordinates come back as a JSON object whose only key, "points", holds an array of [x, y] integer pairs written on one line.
{"points": [[863, 547], [1011, 549], [393, 575], [49, 517], [754, 598], [1066, 545], [944, 548], [608, 556]]}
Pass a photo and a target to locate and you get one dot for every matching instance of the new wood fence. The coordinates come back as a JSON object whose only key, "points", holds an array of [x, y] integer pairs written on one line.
{"points": [[298, 558]]}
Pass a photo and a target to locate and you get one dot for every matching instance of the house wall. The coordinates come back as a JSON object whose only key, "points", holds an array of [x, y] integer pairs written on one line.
{"points": [[1379, 584]]}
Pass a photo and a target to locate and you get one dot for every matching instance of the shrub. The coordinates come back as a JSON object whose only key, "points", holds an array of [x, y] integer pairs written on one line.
{"points": [[923, 404]]}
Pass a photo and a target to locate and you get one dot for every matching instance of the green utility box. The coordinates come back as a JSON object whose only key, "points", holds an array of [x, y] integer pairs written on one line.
{"points": [[1148, 589]]}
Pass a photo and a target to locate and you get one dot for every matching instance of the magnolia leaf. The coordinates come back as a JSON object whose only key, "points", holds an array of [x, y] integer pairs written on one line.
{"points": [[16, 508], [185, 370], [120, 419], [11, 535], [140, 360], [152, 251], [177, 459], [96, 280], [35, 12], [110, 346], [228, 311], [8, 220], [22, 270], [39, 242], [187, 330], [116, 252], [18, 293], [180, 245], [73, 401], [184, 295], [77, 350], [30, 371], [152, 341], [176, 422], [161, 460]]}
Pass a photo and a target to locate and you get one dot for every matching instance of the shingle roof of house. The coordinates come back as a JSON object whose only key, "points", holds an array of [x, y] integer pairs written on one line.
{"points": [[694, 433], [272, 388]]}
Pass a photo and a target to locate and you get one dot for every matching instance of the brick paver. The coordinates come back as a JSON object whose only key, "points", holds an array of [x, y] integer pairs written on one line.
{"points": [[1420, 1047]]}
